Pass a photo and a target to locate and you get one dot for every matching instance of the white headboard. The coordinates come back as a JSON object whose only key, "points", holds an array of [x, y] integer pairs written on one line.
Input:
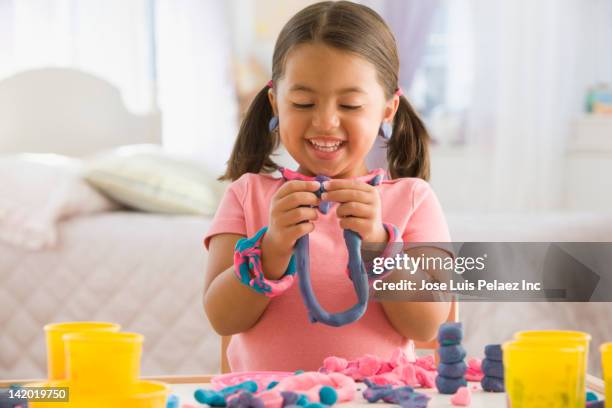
{"points": [[69, 112]]}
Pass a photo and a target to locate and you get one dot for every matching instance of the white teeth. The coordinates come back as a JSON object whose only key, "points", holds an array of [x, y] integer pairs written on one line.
{"points": [[326, 146]]}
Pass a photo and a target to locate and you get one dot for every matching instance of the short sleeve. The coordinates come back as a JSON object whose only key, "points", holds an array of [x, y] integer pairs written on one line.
{"points": [[427, 222], [229, 218]]}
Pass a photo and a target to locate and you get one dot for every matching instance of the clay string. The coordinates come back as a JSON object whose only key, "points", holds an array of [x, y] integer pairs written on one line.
{"points": [[356, 268]]}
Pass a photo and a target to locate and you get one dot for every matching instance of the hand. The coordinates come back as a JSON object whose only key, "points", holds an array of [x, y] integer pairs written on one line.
{"points": [[290, 215], [359, 209]]}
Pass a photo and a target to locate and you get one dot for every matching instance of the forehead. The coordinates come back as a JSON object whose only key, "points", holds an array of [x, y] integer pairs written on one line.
{"points": [[326, 69]]}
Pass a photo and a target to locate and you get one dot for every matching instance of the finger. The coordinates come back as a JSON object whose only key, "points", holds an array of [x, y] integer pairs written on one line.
{"points": [[339, 184], [355, 224], [293, 186], [299, 230], [296, 216], [295, 200], [355, 209], [346, 195]]}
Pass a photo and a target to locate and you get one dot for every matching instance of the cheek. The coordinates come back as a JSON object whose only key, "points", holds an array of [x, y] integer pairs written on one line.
{"points": [[362, 130], [293, 121]]}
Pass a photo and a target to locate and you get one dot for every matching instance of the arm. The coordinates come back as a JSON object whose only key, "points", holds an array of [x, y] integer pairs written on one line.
{"points": [[231, 306], [416, 320]]}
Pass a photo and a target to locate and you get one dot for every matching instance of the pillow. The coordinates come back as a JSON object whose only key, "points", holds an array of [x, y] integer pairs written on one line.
{"points": [[38, 190], [146, 178]]}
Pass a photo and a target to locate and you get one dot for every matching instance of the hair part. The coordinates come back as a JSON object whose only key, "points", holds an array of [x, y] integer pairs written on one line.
{"points": [[348, 27]]}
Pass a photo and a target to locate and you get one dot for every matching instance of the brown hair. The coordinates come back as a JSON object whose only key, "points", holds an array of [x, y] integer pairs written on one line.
{"points": [[349, 27]]}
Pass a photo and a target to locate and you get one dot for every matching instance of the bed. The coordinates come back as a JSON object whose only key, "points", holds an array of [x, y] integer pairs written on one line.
{"points": [[145, 270], [141, 270]]}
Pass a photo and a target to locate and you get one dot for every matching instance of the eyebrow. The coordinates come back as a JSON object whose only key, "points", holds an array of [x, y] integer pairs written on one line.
{"points": [[304, 88]]}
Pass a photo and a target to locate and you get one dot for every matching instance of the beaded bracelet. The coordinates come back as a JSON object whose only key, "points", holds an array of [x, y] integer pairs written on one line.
{"points": [[248, 268]]}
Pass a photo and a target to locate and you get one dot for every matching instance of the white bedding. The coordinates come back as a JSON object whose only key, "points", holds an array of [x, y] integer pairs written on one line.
{"points": [[144, 271]]}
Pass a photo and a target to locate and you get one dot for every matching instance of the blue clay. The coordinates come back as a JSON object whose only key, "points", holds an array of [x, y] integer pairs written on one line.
{"points": [[328, 395], [493, 352], [449, 385], [452, 370], [450, 334], [172, 402], [451, 354], [492, 368], [492, 384], [591, 396]]}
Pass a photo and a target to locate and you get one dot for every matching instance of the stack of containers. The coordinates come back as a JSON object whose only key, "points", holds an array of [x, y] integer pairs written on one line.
{"points": [[452, 367], [99, 366]]}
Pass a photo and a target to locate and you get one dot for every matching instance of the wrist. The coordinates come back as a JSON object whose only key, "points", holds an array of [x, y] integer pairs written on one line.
{"points": [[274, 258], [380, 236], [249, 267]]}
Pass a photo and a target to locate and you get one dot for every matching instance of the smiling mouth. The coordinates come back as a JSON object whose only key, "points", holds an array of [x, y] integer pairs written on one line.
{"points": [[326, 146]]}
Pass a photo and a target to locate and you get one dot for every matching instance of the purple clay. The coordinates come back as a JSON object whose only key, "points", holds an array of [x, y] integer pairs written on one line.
{"points": [[492, 368], [451, 354], [450, 334], [372, 394], [245, 400], [289, 398], [492, 384], [452, 370], [493, 352], [449, 385], [399, 394]]}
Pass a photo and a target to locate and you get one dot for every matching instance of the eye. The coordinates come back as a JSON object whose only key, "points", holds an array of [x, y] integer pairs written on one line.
{"points": [[351, 107], [303, 105]]}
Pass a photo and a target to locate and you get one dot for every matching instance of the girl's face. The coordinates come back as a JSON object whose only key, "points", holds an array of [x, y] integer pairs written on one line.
{"points": [[330, 106]]}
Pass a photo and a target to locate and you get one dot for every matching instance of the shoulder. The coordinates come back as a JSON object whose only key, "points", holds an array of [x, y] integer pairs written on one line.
{"points": [[252, 183], [416, 190]]}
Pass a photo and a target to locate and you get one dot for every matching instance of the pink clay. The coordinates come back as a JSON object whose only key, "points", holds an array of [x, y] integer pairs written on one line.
{"points": [[369, 365], [427, 379], [474, 371], [407, 374], [427, 362], [333, 364], [475, 363], [403, 368], [463, 397], [310, 383], [271, 398]]}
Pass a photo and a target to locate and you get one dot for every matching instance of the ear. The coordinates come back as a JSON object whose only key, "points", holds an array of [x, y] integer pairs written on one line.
{"points": [[272, 99], [391, 107]]}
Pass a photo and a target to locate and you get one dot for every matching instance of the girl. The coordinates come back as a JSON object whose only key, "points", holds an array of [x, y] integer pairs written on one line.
{"points": [[334, 89]]}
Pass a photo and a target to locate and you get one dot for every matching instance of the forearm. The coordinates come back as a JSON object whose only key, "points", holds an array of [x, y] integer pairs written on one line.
{"points": [[416, 313], [233, 307]]}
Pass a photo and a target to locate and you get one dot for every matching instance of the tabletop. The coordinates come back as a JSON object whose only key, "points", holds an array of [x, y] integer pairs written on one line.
{"points": [[185, 386]]}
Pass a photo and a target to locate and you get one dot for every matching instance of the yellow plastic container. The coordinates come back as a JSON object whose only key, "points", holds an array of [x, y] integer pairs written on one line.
{"points": [[56, 360], [564, 337], [539, 373], [582, 337], [145, 394], [606, 364], [103, 361]]}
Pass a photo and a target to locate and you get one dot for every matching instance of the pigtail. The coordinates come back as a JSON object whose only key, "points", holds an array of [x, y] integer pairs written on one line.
{"points": [[255, 143], [408, 148]]}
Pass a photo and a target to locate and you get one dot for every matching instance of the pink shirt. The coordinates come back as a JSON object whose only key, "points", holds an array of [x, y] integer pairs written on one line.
{"points": [[283, 338]]}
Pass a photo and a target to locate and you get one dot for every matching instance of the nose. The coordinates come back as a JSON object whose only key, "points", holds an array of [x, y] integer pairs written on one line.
{"points": [[325, 118]]}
